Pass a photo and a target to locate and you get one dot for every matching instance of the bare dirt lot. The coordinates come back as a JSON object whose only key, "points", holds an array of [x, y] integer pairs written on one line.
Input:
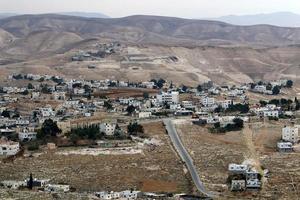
{"points": [[212, 153], [147, 171]]}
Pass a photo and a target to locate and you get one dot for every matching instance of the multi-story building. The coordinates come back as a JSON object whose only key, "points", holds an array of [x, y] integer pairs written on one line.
{"points": [[26, 135], [271, 113], [9, 148], [107, 129], [208, 101], [290, 134], [169, 97]]}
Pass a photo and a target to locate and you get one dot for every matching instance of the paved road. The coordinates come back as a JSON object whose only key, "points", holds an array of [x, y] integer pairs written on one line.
{"points": [[185, 156]]}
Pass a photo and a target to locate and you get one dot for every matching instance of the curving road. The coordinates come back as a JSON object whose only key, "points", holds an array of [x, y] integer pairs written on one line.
{"points": [[183, 153]]}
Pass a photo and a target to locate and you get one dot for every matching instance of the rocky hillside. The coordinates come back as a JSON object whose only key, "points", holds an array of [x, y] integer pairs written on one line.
{"points": [[206, 50], [153, 29]]}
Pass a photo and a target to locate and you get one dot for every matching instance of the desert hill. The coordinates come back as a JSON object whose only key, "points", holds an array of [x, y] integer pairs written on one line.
{"points": [[146, 27], [206, 50]]}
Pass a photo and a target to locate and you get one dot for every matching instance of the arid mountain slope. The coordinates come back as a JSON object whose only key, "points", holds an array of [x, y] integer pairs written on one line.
{"points": [[145, 27], [5, 38], [206, 50]]}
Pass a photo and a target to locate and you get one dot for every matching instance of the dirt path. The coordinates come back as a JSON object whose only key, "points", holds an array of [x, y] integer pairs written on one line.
{"points": [[251, 155]]}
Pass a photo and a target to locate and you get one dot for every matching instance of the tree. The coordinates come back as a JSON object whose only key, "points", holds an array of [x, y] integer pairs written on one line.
{"points": [[49, 128], [252, 85], [146, 95], [184, 88], [199, 88], [260, 83], [160, 83], [130, 109], [87, 89], [57, 80], [263, 103], [239, 123], [119, 134], [18, 77], [276, 90], [269, 87], [297, 104], [243, 108], [76, 85], [6, 114], [218, 109], [30, 86], [30, 182], [135, 129], [25, 92], [289, 83], [274, 101], [45, 89], [108, 105]]}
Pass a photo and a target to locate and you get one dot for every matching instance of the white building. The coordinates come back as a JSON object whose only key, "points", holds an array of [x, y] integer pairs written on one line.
{"points": [[57, 188], [271, 113], [260, 88], [107, 195], [71, 103], [35, 95], [253, 183], [207, 101], [284, 146], [13, 184], [290, 134], [107, 129], [129, 194], [78, 91], [47, 111], [237, 169], [238, 185], [9, 148], [148, 84], [25, 135], [187, 104], [225, 104], [169, 97], [22, 122], [59, 96], [144, 114], [126, 101]]}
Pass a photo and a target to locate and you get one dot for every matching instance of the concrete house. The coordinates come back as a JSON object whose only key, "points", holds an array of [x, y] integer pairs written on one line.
{"points": [[169, 97], [47, 111], [253, 184], [271, 113], [238, 185], [130, 194], [35, 95], [225, 104], [237, 169], [188, 104], [59, 96], [107, 128], [26, 135], [57, 188], [144, 114], [207, 101], [9, 148], [284, 146], [290, 134], [108, 195], [13, 184]]}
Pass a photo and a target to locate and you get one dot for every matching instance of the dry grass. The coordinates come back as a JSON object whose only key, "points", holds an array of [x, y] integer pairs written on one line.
{"points": [[212, 153], [107, 172]]}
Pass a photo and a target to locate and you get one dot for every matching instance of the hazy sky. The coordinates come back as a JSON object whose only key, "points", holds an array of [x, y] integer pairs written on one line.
{"points": [[179, 8]]}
